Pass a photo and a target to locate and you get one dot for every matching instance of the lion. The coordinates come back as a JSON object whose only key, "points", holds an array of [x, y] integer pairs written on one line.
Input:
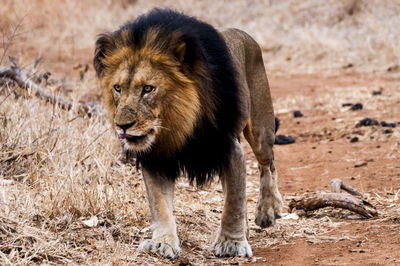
{"points": [[179, 93]]}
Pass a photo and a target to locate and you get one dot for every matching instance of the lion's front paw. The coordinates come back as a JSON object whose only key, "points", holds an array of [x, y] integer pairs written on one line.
{"points": [[168, 247], [225, 247], [268, 211]]}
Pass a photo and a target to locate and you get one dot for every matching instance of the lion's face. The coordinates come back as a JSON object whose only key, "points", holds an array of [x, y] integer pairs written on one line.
{"points": [[137, 96], [149, 99]]}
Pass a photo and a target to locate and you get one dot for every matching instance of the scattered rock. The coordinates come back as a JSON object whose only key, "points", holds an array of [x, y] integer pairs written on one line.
{"points": [[357, 106], [367, 122], [349, 65], [388, 131], [283, 140], [297, 113], [357, 251], [384, 124], [354, 139], [373, 122], [357, 165]]}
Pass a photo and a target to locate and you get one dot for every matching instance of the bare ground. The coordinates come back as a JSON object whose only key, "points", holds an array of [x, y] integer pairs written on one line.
{"points": [[59, 172], [40, 208], [323, 151]]}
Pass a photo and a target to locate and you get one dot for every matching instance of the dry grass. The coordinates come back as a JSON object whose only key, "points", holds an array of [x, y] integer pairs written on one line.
{"points": [[58, 170]]}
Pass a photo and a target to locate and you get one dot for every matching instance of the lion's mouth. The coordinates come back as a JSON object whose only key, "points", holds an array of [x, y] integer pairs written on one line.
{"points": [[131, 138], [137, 142]]}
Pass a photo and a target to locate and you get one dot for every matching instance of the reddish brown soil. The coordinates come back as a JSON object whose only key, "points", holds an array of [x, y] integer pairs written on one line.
{"points": [[323, 151]]}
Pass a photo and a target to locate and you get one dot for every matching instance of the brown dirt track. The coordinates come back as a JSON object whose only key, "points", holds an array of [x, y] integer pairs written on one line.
{"points": [[322, 152]]}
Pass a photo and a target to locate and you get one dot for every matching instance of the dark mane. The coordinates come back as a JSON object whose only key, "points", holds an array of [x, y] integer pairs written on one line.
{"points": [[208, 63]]}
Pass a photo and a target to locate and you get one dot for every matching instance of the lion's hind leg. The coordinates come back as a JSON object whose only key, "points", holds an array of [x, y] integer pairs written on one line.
{"points": [[232, 236], [269, 204], [260, 134]]}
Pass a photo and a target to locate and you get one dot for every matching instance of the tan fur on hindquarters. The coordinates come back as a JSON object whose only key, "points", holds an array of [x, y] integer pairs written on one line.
{"points": [[260, 126]]}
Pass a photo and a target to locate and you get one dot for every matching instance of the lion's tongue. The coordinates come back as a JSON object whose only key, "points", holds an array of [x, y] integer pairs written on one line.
{"points": [[130, 137], [124, 136]]}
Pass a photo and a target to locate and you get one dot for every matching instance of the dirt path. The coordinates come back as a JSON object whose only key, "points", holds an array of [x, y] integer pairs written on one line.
{"points": [[323, 151]]}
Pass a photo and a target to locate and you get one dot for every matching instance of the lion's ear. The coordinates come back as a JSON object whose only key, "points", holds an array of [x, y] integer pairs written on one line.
{"points": [[105, 44], [180, 51]]}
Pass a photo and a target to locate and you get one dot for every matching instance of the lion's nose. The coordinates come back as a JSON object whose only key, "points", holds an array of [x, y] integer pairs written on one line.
{"points": [[126, 126]]}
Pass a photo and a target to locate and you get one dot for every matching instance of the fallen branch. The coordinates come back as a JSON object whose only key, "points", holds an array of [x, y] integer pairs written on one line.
{"points": [[317, 200], [15, 74]]}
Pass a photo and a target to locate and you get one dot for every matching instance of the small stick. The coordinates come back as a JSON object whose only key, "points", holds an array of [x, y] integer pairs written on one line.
{"points": [[337, 184]]}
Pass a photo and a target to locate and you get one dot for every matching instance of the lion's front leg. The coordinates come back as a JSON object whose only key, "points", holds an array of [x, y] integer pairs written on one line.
{"points": [[160, 193], [232, 236]]}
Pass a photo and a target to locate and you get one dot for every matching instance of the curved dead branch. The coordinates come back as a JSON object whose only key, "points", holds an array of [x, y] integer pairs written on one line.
{"points": [[14, 73], [352, 201], [314, 201]]}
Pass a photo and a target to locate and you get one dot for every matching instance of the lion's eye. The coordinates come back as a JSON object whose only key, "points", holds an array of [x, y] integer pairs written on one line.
{"points": [[148, 88], [117, 88]]}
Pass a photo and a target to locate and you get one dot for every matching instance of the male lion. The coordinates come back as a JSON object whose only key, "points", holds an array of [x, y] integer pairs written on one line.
{"points": [[178, 94]]}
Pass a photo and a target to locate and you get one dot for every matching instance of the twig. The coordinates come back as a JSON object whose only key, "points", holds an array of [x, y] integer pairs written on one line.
{"points": [[11, 38], [337, 184]]}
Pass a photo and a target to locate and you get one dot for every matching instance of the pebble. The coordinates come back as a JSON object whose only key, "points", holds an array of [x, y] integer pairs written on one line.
{"points": [[297, 113], [283, 140], [354, 139], [367, 122], [357, 106]]}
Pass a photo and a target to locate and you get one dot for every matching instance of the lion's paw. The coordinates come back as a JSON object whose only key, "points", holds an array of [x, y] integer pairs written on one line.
{"points": [[225, 247], [269, 211], [167, 248]]}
